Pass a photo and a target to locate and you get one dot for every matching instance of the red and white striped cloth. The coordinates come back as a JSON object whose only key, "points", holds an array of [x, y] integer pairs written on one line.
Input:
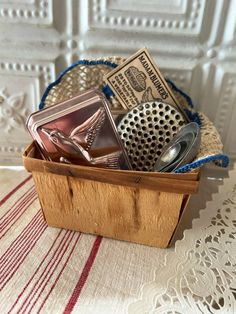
{"points": [[49, 270]]}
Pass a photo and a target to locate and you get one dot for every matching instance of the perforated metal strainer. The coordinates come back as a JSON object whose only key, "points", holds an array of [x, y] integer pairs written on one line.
{"points": [[146, 129]]}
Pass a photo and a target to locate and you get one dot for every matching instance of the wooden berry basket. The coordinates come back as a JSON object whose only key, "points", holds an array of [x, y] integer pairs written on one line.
{"points": [[135, 206]]}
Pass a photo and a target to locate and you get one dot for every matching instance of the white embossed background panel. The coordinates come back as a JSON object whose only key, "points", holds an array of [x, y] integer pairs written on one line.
{"points": [[183, 16], [192, 41], [22, 83], [26, 11]]}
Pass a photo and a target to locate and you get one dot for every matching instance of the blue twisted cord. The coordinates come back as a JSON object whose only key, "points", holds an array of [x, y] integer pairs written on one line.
{"points": [[197, 164], [193, 116], [178, 90]]}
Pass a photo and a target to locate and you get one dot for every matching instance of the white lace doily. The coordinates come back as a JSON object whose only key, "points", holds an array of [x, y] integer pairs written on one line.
{"points": [[200, 276]]}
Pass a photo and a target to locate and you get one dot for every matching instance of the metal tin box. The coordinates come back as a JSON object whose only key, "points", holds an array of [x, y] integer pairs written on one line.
{"points": [[79, 131]]}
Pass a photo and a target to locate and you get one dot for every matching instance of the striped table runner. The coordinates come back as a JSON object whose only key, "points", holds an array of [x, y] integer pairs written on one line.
{"points": [[49, 270]]}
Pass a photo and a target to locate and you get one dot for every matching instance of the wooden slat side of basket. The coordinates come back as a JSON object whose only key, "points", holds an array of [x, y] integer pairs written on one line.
{"points": [[120, 212], [122, 205], [186, 183]]}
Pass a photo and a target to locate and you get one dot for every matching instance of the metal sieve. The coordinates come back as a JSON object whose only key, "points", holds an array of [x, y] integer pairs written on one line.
{"points": [[146, 129]]}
